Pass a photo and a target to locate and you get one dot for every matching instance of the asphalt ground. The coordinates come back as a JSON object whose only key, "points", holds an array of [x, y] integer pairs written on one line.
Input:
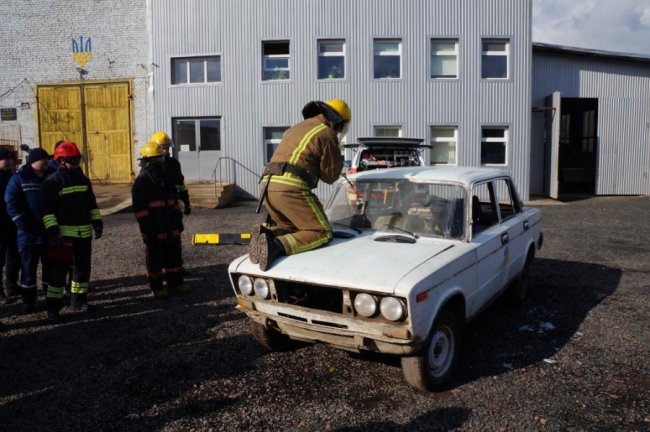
{"points": [[576, 356]]}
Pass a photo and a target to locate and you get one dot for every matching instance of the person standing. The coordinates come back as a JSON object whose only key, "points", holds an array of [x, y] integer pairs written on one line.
{"points": [[156, 208], [307, 153], [173, 170], [70, 215], [24, 206], [9, 258]]}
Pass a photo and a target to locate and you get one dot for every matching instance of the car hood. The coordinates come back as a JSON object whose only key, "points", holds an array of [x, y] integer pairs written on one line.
{"points": [[360, 262]]}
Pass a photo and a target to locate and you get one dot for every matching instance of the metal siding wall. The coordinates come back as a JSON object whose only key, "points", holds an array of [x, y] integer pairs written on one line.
{"points": [[246, 104], [623, 92]]}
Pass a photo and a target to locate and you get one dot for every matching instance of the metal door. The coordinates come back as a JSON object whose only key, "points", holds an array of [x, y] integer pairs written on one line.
{"points": [[552, 145], [197, 143]]}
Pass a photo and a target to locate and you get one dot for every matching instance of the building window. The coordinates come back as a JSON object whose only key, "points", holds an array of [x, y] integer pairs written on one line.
{"points": [[444, 58], [331, 59], [275, 60], [443, 144], [272, 138], [494, 142], [388, 131], [387, 58], [196, 134], [494, 61], [196, 70]]}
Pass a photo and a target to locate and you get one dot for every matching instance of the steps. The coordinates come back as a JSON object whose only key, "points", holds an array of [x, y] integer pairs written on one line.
{"points": [[210, 194]]}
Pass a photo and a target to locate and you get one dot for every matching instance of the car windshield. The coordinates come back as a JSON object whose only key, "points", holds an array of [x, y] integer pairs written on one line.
{"points": [[422, 209]]}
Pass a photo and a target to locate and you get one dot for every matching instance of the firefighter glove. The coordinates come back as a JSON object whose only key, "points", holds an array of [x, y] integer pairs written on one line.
{"points": [[98, 227], [188, 209]]}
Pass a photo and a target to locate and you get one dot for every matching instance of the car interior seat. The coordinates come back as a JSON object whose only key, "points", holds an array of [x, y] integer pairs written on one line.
{"points": [[476, 215]]}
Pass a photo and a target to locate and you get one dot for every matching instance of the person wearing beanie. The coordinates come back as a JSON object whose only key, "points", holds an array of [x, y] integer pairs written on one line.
{"points": [[23, 198], [9, 258]]}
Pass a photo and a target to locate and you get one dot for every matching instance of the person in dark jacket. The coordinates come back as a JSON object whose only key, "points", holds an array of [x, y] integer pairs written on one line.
{"points": [[9, 258], [156, 208], [23, 198], [70, 215], [173, 170]]}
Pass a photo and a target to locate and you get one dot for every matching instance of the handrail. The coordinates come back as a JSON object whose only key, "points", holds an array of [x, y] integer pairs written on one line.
{"points": [[231, 171]]}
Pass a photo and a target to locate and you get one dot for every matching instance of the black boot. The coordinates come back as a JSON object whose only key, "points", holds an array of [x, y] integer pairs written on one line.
{"points": [[29, 300], [268, 248], [79, 303], [255, 237]]}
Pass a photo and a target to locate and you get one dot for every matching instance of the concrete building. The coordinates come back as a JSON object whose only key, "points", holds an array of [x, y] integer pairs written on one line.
{"points": [[226, 78]]}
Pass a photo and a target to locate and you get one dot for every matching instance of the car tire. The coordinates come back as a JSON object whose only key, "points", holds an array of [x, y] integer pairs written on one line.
{"points": [[436, 362], [519, 289], [270, 339]]}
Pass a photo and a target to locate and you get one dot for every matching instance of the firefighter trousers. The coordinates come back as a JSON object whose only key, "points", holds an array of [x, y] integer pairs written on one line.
{"points": [[164, 260], [58, 272], [30, 256], [301, 224], [9, 261]]}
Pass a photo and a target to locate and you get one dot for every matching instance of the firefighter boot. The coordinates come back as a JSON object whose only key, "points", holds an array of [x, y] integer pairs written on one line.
{"points": [[268, 248], [179, 289], [160, 294], [255, 236], [79, 303], [29, 300], [53, 307]]}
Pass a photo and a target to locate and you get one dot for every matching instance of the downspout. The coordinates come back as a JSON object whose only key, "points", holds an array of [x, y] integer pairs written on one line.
{"points": [[150, 66]]}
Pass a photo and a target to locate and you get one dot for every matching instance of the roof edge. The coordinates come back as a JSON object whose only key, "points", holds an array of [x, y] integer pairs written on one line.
{"points": [[540, 46]]}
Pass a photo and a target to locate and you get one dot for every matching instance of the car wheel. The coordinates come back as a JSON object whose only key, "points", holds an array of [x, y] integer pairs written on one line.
{"points": [[435, 364], [519, 289], [270, 339]]}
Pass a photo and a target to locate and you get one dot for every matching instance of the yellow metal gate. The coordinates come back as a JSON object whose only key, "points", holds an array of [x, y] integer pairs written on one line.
{"points": [[97, 117]]}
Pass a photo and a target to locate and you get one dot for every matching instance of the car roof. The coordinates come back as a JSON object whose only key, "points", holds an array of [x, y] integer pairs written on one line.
{"points": [[466, 175], [388, 142]]}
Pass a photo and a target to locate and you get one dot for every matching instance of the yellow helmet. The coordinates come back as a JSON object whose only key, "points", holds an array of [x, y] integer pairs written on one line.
{"points": [[151, 149], [161, 138], [341, 108]]}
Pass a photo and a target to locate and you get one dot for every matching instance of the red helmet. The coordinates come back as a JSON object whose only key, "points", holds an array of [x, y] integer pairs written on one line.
{"points": [[66, 149]]}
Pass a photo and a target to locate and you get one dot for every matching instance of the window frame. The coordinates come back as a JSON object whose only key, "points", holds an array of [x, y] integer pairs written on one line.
{"points": [[400, 42], [507, 53], [456, 53], [197, 132], [205, 58], [505, 140], [266, 157], [275, 56], [387, 126], [455, 140], [342, 54]]}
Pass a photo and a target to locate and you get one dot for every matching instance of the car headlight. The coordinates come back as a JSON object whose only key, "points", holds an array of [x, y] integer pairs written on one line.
{"points": [[391, 308], [245, 284], [261, 288], [365, 305]]}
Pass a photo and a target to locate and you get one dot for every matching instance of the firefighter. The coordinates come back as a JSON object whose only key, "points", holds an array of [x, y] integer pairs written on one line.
{"points": [[173, 170], [70, 215], [308, 152], [9, 258], [24, 205], [156, 208]]}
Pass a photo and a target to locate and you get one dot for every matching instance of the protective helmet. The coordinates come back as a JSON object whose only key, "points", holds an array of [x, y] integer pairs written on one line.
{"points": [[161, 138], [341, 108], [66, 150], [151, 149]]}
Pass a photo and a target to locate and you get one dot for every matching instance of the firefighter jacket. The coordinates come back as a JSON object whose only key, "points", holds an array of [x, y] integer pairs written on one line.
{"points": [[25, 205], [6, 225], [173, 170], [312, 146], [69, 205], [155, 204]]}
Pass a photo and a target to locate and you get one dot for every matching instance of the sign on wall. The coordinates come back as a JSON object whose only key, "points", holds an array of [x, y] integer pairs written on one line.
{"points": [[81, 51]]}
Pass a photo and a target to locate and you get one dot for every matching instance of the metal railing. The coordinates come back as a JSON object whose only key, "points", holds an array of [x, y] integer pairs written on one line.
{"points": [[230, 166]]}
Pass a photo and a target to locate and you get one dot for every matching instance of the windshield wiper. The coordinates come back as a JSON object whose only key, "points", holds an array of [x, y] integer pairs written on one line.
{"points": [[412, 234], [357, 230]]}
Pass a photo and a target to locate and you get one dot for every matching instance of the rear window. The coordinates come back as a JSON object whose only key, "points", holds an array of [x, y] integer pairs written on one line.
{"points": [[388, 158]]}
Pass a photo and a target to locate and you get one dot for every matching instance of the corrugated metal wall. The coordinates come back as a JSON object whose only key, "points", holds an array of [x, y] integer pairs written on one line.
{"points": [[623, 92], [236, 29]]}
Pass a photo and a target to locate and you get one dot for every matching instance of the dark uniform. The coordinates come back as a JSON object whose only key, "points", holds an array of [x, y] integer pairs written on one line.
{"points": [[9, 258], [70, 214], [155, 204], [300, 222], [175, 174]]}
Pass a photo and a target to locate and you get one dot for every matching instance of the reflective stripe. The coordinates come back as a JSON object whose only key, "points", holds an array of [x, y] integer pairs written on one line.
{"points": [[49, 220], [55, 292], [162, 203], [142, 214], [181, 187], [174, 270], [73, 189], [95, 214], [289, 180], [162, 236], [155, 275], [303, 143], [77, 231], [79, 287]]}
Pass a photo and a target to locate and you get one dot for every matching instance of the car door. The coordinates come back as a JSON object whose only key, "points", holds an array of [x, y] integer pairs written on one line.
{"points": [[514, 224], [490, 240]]}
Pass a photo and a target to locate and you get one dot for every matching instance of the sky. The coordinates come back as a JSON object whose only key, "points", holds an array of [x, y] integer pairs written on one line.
{"points": [[609, 25]]}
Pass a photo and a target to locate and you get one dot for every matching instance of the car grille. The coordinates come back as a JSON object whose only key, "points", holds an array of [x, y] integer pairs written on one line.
{"points": [[309, 296]]}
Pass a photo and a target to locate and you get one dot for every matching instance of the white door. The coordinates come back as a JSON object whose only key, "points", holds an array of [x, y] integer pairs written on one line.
{"points": [[197, 143], [552, 145]]}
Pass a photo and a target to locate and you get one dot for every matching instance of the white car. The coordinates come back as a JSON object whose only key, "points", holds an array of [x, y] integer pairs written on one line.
{"points": [[385, 152], [417, 253]]}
